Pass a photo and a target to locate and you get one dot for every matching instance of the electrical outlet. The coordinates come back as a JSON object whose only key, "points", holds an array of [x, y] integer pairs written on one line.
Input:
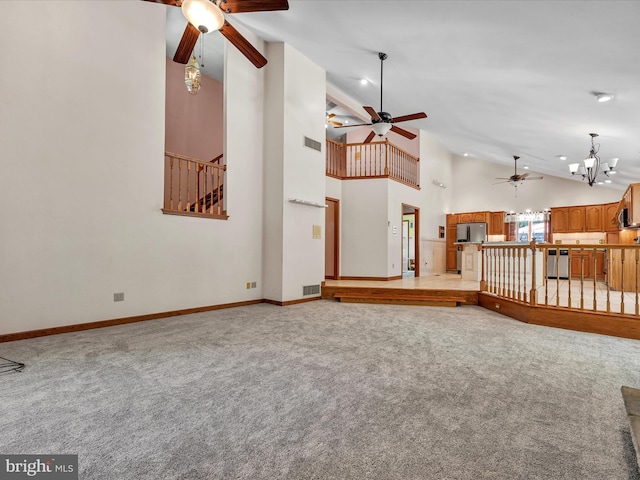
{"points": [[254, 284], [248, 285], [118, 297]]}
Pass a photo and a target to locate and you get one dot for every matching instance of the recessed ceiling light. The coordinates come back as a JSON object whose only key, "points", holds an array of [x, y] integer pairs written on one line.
{"points": [[562, 157], [364, 81], [346, 121], [465, 154], [526, 167], [604, 97], [607, 181]]}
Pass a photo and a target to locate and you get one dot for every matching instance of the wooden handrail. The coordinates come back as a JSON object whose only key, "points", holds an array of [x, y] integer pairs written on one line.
{"points": [[193, 187], [217, 159], [347, 161]]}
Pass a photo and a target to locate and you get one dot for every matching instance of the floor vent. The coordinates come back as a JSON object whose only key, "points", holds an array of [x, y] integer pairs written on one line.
{"points": [[309, 142], [310, 290]]}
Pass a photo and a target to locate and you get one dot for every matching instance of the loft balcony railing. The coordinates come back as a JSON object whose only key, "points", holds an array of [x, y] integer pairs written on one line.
{"points": [[600, 278], [194, 187], [348, 161]]}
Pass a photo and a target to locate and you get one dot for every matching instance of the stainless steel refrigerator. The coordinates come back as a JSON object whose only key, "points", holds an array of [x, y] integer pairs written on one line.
{"points": [[472, 233]]}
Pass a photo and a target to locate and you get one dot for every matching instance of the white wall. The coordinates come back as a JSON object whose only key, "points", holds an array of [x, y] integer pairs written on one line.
{"points": [[473, 181], [82, 173], [295, 100], [364, 229]]}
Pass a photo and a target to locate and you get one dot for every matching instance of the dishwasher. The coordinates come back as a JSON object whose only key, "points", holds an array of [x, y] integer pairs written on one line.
{"points": [[559, 269]]}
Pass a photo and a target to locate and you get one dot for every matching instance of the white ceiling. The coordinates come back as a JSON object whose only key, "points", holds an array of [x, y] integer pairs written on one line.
{"points": [[497, 78]]}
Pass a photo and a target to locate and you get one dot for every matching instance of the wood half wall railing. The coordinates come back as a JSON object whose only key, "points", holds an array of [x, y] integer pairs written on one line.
{"points": [[603, 278], [194, 187], [349, 161]]}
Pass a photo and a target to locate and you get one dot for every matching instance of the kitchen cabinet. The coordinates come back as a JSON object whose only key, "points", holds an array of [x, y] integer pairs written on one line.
{"points": [[465, 217], [482, 217], [631, 201], [593, 218], [619, 280], [559, 220], [575, 219], [452, 259], [496, 223], [586, 264], [610, 217], [451, 254]]}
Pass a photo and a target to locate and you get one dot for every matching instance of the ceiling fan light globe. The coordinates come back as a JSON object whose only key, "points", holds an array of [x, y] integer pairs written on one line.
{"points": [[203, 14], [381, 128]]}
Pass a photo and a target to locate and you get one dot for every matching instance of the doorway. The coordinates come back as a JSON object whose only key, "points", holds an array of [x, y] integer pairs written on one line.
{"points": [[332, 239], [410, 241]]}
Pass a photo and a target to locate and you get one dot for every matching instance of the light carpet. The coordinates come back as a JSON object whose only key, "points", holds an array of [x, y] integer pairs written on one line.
{"points": [[324, 390]]}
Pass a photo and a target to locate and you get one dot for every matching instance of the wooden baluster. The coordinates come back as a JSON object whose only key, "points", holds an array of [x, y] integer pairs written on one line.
{"points": [[524, 276], [171, 186], [557, 260], [204, 189], [636, 251], [483, 281], [196, 203], [582, 279], [570, 252], [519, 273], [509, 280], [533, 296], [608, 278], [188, 186], [622, 257], [386, 156], [545, 276], [180, 184], [595, 270]]}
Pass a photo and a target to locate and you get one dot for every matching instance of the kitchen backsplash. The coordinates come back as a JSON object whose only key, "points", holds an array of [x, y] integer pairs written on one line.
{"points": [[575, 238]]}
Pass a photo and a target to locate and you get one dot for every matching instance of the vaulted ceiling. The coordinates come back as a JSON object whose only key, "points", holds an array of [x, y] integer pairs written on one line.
{"points": [[497, 78]]}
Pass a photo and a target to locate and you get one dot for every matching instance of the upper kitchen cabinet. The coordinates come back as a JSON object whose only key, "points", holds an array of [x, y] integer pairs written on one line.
{"points": [[594, 218], [610, 219], [496, 223], [575, 219], [559, 220]]}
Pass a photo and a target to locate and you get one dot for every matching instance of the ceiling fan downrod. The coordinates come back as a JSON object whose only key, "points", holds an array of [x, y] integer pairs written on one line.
{"points": [[382, 57]]}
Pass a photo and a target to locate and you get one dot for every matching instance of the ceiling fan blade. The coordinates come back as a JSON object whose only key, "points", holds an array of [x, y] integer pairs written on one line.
{"points": [[524, 175], [372, 113], [369, 137], [186, 45], [242, 44], [173, 3], [403, 132], [241, 6], [497, 183], [337, 124], [331, 115], [355, 125], [535, 178], [406, 118], [502, 178]]}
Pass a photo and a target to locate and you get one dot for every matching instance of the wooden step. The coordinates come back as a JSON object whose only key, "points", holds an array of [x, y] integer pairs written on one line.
{"points": [[631, 397], [396, 299]]}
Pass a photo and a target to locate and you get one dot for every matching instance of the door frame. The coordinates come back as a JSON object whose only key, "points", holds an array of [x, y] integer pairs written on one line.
{"points": [[416, 236], [336, 237]]}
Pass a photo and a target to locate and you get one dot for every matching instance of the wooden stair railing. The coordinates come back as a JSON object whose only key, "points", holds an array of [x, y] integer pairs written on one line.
{"points": [[194, 187], [347, 161]]}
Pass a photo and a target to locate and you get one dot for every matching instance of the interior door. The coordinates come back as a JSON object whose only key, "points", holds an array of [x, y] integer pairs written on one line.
{"points": [[332, 239]]}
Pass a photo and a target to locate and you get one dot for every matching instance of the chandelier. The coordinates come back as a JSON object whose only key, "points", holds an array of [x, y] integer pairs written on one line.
{"points": [[192, 76], [592, 166]]}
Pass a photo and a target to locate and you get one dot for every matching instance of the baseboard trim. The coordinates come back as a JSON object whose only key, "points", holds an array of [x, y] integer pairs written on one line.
{"points": [[292, 302], [374, 279], [11, 337]]}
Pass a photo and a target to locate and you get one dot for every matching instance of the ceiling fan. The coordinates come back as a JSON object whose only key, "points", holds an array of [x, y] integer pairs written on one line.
{"points": [[516, 179], [382, 122], [333, 122], [207, 15]]}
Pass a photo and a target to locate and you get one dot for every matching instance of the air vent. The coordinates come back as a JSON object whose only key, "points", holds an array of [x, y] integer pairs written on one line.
{"points": [[308, 142], [310, 290]]}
